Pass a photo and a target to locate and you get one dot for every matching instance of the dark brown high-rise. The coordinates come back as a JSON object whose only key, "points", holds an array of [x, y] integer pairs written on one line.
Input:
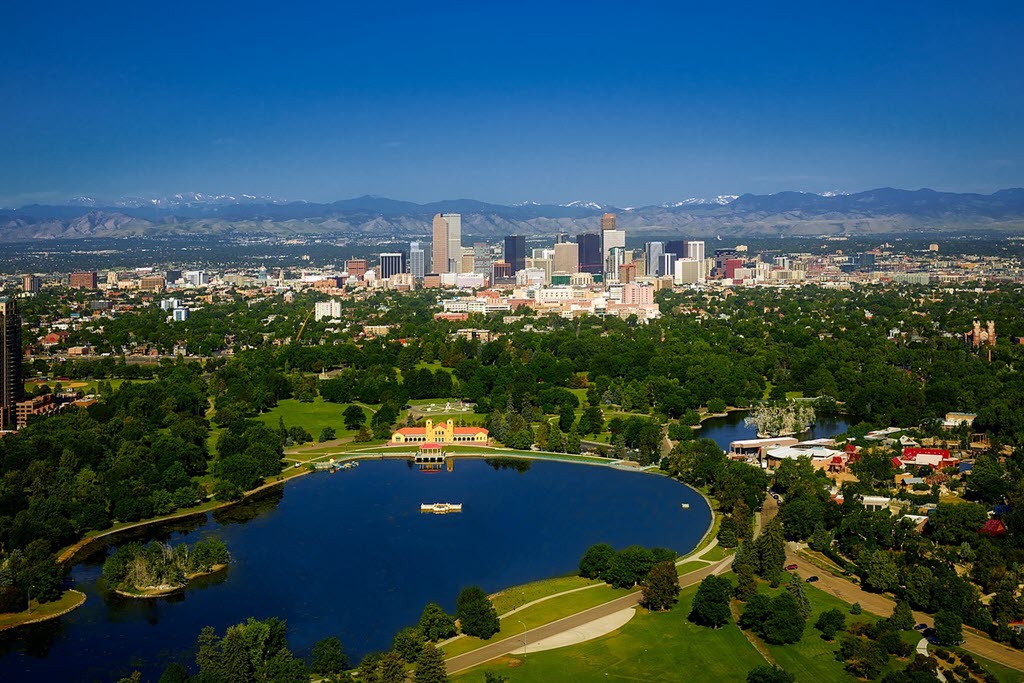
{"points": [[10, 363]]}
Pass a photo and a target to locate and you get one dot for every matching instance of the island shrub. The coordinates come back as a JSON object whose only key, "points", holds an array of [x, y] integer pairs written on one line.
{"points": [[135, 568]]}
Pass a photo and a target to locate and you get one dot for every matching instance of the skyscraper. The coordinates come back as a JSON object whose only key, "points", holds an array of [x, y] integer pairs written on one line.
{"points": [[31, 283], [611, 239], [417, 261], [10, 362], [567, 257], [515, 252], [677, 247], [590, 253], [607, 222], [447, 247], [695, 250], [391, 264], [654, 251], [482, 258]]}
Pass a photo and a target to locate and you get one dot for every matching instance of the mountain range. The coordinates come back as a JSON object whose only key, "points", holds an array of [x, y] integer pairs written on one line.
{"points": [[880, 211]]}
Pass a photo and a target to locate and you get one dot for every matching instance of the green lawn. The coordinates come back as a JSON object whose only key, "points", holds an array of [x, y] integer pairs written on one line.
{"points": [[687, 567], [650, 648], [511, 598], [1003, 673], [538, 615], [313, 416], [667, 647]]}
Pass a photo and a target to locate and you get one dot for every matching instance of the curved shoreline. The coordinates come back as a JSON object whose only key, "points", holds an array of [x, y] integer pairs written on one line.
{"points": [[151, 593], [48, 617]]}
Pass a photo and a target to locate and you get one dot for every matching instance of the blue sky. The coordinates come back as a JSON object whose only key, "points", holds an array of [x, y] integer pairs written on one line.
{"points": [[629, 103]]}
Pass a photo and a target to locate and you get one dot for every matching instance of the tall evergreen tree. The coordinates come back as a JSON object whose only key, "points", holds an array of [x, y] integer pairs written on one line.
{"points": [[770, 548], [430, 668]]}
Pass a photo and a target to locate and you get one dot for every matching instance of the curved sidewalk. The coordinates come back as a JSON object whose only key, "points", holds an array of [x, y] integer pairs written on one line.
{"points": [[570, 623]]}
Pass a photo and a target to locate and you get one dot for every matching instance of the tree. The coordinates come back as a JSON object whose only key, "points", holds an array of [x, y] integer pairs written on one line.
{"points": [[354, 417], [392, 667], [711, 602], [948, 627], [566, 417], [744, 565], [326, 434], [328, 657], [174, 673], [880, 571], [727, 537], [661, 589], [628, 566], [743, 519], [409, 643], [430, 667], [769, 674], [855, 608], [596, 560], [491, 677], [435, 623], [716, 405], [476, 613], [770, 550], [796, 589], [830, 622], [902, 618], [784, 623]]}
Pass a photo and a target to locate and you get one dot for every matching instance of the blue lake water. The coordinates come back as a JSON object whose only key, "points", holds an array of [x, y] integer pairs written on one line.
{"points": [[731, 428], [349, 554]]}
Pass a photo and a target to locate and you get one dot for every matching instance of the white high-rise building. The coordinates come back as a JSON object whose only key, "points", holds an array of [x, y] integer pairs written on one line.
{"points": [[330, 310], [612, 239], [695, 250], [668, 265], [196, 278], [688, 272], [417, 261]]}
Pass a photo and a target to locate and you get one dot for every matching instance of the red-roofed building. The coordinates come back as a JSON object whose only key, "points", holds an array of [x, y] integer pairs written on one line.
{"points": [[440, 433], [993, 527], [936, 458]]}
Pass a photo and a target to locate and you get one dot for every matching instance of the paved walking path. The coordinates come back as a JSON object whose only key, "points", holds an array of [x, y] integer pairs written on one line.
{"points": [[581, 634], [575, 621]]}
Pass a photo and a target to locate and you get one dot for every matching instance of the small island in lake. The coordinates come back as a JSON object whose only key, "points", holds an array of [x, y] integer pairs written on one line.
{"points": [[155, 569]]}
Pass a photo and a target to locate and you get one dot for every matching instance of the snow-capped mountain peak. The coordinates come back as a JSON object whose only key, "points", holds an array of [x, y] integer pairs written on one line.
{"points": [[580, 204], [720, 200], [833, 193]]}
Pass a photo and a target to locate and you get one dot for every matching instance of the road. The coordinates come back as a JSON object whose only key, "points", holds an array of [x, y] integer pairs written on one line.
{"points": [[504, 647], [974, 642]]}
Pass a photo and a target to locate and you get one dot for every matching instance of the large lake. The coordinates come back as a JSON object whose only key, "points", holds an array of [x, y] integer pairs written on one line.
{"points": [[349, 554]]}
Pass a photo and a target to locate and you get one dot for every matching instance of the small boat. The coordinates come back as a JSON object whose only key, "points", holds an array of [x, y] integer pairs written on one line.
{"points": [[685, 506], [441, 508]]}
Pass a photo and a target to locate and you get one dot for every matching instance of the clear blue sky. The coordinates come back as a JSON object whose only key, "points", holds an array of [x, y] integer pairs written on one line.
{"points": [[629, 103]]}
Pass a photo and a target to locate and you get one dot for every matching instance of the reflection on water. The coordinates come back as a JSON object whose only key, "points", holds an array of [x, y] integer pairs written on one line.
{"points": [[350, 555]]}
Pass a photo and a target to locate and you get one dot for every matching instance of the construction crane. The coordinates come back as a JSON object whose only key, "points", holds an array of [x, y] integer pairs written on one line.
{"points": [[302, 327]]}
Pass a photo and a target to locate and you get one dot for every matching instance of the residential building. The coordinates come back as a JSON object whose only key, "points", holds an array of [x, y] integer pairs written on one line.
{"points": [[330, 310], [357, 267], [180, 315], [83, 280], [152, 283], [31, 283], [11, 387]]}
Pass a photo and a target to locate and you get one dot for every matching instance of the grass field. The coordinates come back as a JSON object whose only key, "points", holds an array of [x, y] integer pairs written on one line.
{"points": [[667, 647], [313, 417], [511, 598], [68, 601], [538, 615], [650, 648]]}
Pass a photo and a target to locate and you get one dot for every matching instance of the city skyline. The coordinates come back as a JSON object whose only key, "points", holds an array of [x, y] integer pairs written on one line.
{"points": [[772, 99]]}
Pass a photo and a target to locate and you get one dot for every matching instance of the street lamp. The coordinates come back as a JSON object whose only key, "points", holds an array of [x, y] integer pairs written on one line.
{"points": [[30, 589], [524, 636]]}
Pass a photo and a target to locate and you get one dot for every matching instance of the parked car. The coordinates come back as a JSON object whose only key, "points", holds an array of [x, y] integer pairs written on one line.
{"points": [[790, 567], [920, 627], [811, 579]]}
